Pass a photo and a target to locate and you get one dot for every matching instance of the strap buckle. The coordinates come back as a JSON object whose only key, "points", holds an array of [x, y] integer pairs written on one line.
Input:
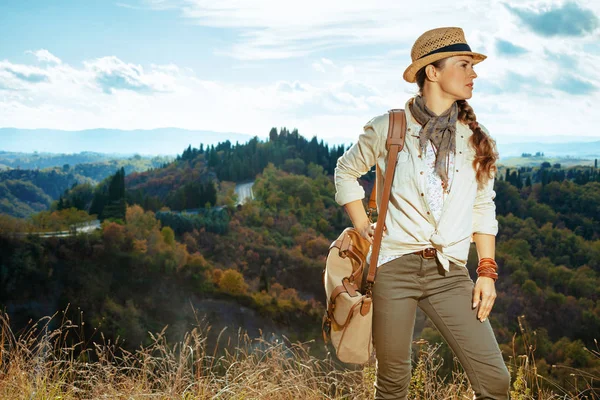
{"points": [[369, 213], [428, 253], [369, 289]]}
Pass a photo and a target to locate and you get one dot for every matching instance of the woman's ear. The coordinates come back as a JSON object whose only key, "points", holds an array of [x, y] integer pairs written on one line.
{"points": [[431, 72]]}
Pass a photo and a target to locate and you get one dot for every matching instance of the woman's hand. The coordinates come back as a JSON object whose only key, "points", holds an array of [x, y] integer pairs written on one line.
{"points": [[485, 290], [367, 230]]}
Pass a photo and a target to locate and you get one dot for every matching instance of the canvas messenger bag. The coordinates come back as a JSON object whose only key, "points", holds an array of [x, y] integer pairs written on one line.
{"points": [[348, 317]]}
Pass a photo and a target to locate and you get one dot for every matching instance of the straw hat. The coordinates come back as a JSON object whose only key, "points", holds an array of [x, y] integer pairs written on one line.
{"points": [[436, 44]]}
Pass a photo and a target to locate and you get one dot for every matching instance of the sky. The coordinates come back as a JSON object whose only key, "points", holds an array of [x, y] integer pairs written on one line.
{"points": [[323, 67]]}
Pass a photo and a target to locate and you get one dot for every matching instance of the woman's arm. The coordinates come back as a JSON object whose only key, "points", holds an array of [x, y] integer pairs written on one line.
{"points": [[485, 289], [484, 211], [357, 213], [485, 228], [485, 244], [360, 220], [353, 164]]}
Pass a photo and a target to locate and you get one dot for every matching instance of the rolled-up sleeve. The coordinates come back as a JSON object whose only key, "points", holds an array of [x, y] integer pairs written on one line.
{"points": [[354, 163], [484, 208]]}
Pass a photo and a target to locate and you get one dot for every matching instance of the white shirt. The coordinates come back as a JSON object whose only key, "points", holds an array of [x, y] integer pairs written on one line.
{"points": [[411, 225], [436, 195]]}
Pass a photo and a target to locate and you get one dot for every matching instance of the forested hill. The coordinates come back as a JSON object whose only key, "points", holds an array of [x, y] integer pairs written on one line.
{"points": [[32, 182], [155, 183], [285, 149]]}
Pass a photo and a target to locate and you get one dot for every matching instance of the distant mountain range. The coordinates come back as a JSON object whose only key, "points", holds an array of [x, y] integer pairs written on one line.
{"points": [[579, 149], [162, 141], [172, 141], [552, 146]]}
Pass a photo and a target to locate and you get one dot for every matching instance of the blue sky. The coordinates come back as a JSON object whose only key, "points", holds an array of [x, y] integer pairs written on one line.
{"points": [[325, 68]]}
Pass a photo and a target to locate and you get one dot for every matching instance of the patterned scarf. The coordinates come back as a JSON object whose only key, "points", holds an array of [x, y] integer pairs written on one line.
{"points": [[440, 129]]}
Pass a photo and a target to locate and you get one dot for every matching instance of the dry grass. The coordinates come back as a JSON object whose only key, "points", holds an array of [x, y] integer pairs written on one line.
{"points": [[44, 363]]}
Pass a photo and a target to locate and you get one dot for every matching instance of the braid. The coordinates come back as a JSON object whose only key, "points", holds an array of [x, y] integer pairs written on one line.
{"points": [[485, 147]]}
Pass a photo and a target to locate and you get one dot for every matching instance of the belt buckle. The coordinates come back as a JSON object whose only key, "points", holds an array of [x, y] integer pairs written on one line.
{"points": [[428, 251]]}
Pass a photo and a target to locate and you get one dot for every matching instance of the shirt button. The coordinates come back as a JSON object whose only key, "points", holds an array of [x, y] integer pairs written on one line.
{"points": [[422, 194], [460, 152], [428, 212], [461, 136], [421, 172], [456, 170]]}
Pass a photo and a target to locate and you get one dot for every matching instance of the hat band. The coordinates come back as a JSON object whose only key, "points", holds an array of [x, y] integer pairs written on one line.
{"points": [[448, 49]]}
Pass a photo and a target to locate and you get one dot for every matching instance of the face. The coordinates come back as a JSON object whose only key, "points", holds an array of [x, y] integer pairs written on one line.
{"points": [[456, 77]]}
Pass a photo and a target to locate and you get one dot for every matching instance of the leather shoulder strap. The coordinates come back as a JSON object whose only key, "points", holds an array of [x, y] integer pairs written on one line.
{"points": [[396, 135], [394, 144]]}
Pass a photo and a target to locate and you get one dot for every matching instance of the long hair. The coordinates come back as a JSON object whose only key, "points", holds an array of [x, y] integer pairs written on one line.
{"points": [[486, 154]]}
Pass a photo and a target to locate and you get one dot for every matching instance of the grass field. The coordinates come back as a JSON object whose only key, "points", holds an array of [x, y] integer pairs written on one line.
{"points": [[39, 363]]}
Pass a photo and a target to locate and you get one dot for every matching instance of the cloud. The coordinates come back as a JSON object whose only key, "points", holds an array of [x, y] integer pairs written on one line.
{"points": [[504, 47], [115, 80], [45, 56], [272, 29], [488, 87], [353, 56], [30, 77], [144, 97], [162, 4], [513, 83], [318, 67], [290, 87], [18, 77], [130, 6], [568, 19], [112, 74], [3, 86], [561, 59], [323, 65], [572, 85], [359, 89]]}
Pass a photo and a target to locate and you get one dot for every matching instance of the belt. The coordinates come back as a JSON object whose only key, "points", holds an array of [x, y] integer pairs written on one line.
{"points": [[426, 253]]}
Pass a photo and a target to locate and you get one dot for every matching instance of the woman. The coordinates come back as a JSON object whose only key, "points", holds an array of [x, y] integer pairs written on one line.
{"points": [[442, 199]]}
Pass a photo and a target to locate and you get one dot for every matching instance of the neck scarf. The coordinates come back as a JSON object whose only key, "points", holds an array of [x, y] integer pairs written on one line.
{"points": [[440, 129]]}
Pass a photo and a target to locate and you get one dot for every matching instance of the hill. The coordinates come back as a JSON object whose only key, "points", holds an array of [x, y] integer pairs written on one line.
{"points": [[144, 268]]}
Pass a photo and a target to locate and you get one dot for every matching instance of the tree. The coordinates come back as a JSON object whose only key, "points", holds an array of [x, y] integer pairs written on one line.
{"points": [[265, 284], [273, 135], [140, 223], [115, 205], [168, 236], [232, 282]]}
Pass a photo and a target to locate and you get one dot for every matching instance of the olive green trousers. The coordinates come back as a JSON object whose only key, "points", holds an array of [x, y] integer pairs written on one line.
{"points": [[446, 298]]}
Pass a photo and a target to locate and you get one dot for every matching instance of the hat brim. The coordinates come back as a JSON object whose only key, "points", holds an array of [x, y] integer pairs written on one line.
{"points": [[410, 73]]}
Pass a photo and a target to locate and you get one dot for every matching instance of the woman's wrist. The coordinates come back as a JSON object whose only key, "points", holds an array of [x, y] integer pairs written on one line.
{"points": [[356, 212], [488, 268]]}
